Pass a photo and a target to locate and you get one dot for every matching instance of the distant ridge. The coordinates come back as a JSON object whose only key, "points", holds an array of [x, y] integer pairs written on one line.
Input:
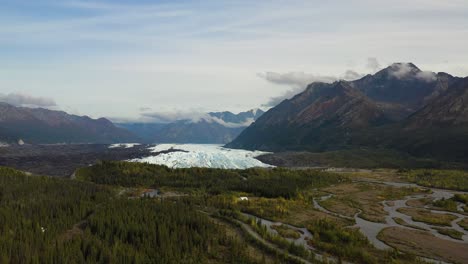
{"points": [[215, 128], [38, 125]]}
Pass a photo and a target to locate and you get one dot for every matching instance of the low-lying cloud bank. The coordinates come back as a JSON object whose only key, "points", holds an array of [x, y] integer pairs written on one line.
{"points": [[188, 116], [20, 99], [302, 79], [298, 81], [408, 70]]}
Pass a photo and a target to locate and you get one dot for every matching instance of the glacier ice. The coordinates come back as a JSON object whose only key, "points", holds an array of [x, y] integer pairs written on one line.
{"points": [[124, 145], [203, 155]]}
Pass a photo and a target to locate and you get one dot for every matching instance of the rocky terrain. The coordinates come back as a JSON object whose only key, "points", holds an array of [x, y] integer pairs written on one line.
{"points": [[399, 108], [62, 160], [322, 113]]}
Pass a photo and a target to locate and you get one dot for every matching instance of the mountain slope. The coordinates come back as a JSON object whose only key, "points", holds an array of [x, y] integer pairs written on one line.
{"points": [[46, 126], [450, 108], [401, 108], [402, 88], [439, 129], [319, 118]]}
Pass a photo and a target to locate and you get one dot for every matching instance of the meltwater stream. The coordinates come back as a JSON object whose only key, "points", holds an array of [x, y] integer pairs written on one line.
{"points": [[372, 229]]}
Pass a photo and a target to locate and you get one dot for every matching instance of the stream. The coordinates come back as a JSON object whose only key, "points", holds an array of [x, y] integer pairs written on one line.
{"points": [[305, 235], [372, 229], [302, 240]]}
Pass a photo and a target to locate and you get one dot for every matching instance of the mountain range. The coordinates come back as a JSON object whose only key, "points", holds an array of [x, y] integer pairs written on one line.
{"points": [[38, 125], [213, 128], [43, 126], [400, 107]]}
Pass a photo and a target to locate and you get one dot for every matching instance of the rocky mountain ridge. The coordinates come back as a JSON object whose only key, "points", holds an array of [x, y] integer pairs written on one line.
{"points": [[399, 107], [38, 125]]}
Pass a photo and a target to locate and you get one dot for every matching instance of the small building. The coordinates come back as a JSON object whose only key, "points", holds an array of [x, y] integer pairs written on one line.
{"points": [[243, 198]]}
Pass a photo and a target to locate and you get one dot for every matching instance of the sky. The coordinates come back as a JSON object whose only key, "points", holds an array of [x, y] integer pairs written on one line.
{"points": [[127, 59]]}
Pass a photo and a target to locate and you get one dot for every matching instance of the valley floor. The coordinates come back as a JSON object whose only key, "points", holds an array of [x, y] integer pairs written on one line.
{"points": [[231, 216], [61, 160]]}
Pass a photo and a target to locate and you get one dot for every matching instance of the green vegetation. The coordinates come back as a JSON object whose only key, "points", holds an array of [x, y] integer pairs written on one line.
{"points": [[342, 242], [445, 179], [269, 208], [166, 232], [404, 223], [452, 203], [447, 204], [421, 215], [462, 198], [341, 205], [424, 244], [48, 220], [350, 244], [35, 211], [464, 223], [286, 232], [99, 217], [349, 199], [451, 233], [352, 158], [261, 182], [274, 250], [278, 240]]}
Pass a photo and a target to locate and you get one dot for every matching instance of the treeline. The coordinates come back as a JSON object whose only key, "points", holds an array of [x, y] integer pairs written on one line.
{"points": [[49, 220], [445, 179], [148, 231], [276, 182], [34, 211]]}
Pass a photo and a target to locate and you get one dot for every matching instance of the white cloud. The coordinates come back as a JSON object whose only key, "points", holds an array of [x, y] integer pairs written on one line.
{"points": [[190, 116], [20, 99], [298, 81], [172, 116], [373, 64], [407, 70], [273, 101], [302, 79], [402, 70], [351, 75], [246, 123], [426, 76], [145, 109], [207, 53]]}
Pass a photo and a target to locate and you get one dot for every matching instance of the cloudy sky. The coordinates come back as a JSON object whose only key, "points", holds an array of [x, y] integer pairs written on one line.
{"points": [[125, 58]]}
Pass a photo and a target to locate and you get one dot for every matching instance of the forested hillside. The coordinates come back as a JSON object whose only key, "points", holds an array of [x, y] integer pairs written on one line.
{"points": [[269, 183], [194, 216], [48, 220]]}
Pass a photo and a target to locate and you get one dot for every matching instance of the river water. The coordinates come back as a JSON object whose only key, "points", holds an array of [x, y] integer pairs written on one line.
{"points": [[372, 229]]}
